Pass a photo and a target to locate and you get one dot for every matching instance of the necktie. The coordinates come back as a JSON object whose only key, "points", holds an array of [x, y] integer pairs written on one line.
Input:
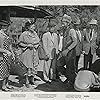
{"points": [[90, 34]]}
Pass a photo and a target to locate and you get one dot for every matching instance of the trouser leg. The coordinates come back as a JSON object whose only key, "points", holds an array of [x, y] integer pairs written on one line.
{"points": [[76, 63], [86, 57], [60, 66], [46, 69], [53, 68], [70, 70], [90, 60]]}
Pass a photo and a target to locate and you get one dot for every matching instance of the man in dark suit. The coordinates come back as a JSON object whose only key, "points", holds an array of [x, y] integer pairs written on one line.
{"points": [[79, 46], [89, 44]]}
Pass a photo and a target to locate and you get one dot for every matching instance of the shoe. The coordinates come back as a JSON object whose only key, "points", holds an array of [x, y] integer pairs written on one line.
{"points": [[5, 89], [9, 87]]}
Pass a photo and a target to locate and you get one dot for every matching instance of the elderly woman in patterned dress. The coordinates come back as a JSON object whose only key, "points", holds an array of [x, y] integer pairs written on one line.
{"points": [[30, 39], [5, 54]]}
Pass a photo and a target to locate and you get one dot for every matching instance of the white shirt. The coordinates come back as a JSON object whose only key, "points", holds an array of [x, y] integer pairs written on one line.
{"points": [[79, 34], [60, 43], [92, 34]]}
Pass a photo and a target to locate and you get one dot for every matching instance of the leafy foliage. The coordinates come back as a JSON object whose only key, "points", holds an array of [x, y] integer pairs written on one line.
{"points": [[84, 12]]}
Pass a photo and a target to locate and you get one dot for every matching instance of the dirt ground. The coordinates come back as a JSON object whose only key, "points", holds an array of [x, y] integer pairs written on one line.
{"points": [[40, 85]]}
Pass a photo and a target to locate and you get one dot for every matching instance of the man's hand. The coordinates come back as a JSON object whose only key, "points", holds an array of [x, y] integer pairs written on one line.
{"points": [[65, 52]]}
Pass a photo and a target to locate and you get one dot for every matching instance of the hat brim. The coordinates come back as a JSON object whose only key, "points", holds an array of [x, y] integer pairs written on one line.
{"points": [[93, 23], [66, 20]]}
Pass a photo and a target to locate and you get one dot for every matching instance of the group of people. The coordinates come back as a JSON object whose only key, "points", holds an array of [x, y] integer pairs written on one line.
{"points": [[65, 49], [55, 53], [79, 41]]}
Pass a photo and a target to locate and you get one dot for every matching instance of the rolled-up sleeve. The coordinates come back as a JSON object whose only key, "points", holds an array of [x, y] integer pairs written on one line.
{"points": [[72, 33]]}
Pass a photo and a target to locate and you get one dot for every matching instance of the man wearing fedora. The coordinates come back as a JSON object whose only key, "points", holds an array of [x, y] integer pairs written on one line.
{"points": [[89, 44], [50, 44]]}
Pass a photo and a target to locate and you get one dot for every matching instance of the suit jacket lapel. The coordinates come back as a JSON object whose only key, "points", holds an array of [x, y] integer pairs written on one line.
{"points": [[80, 37], [88, 36], [93, 33]]}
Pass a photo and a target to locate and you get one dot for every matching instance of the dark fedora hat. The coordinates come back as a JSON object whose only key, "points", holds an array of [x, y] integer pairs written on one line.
{"points": [[4, 22]]}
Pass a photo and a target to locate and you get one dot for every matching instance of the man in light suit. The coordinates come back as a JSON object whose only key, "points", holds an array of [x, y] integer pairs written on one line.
{"points": [[89, 44], [50, 44], [79, 46]]}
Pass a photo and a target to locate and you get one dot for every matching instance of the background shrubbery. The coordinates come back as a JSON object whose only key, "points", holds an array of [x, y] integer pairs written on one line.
{"points": [[85, 13]]}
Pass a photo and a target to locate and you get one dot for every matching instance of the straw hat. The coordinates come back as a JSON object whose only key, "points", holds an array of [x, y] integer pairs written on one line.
{"points": [[93, 22], [66, 18]]}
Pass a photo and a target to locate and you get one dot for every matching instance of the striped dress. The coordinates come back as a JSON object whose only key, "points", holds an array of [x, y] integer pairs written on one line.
{"points": [[4, 63], [30, 57]]}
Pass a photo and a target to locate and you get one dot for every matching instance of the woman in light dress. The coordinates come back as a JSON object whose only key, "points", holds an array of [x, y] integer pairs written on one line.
{"points": [[29, 39]]}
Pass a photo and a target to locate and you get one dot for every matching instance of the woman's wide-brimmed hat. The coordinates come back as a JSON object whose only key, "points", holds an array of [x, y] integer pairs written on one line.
{"points": [[93, 22], [66, 18]]}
